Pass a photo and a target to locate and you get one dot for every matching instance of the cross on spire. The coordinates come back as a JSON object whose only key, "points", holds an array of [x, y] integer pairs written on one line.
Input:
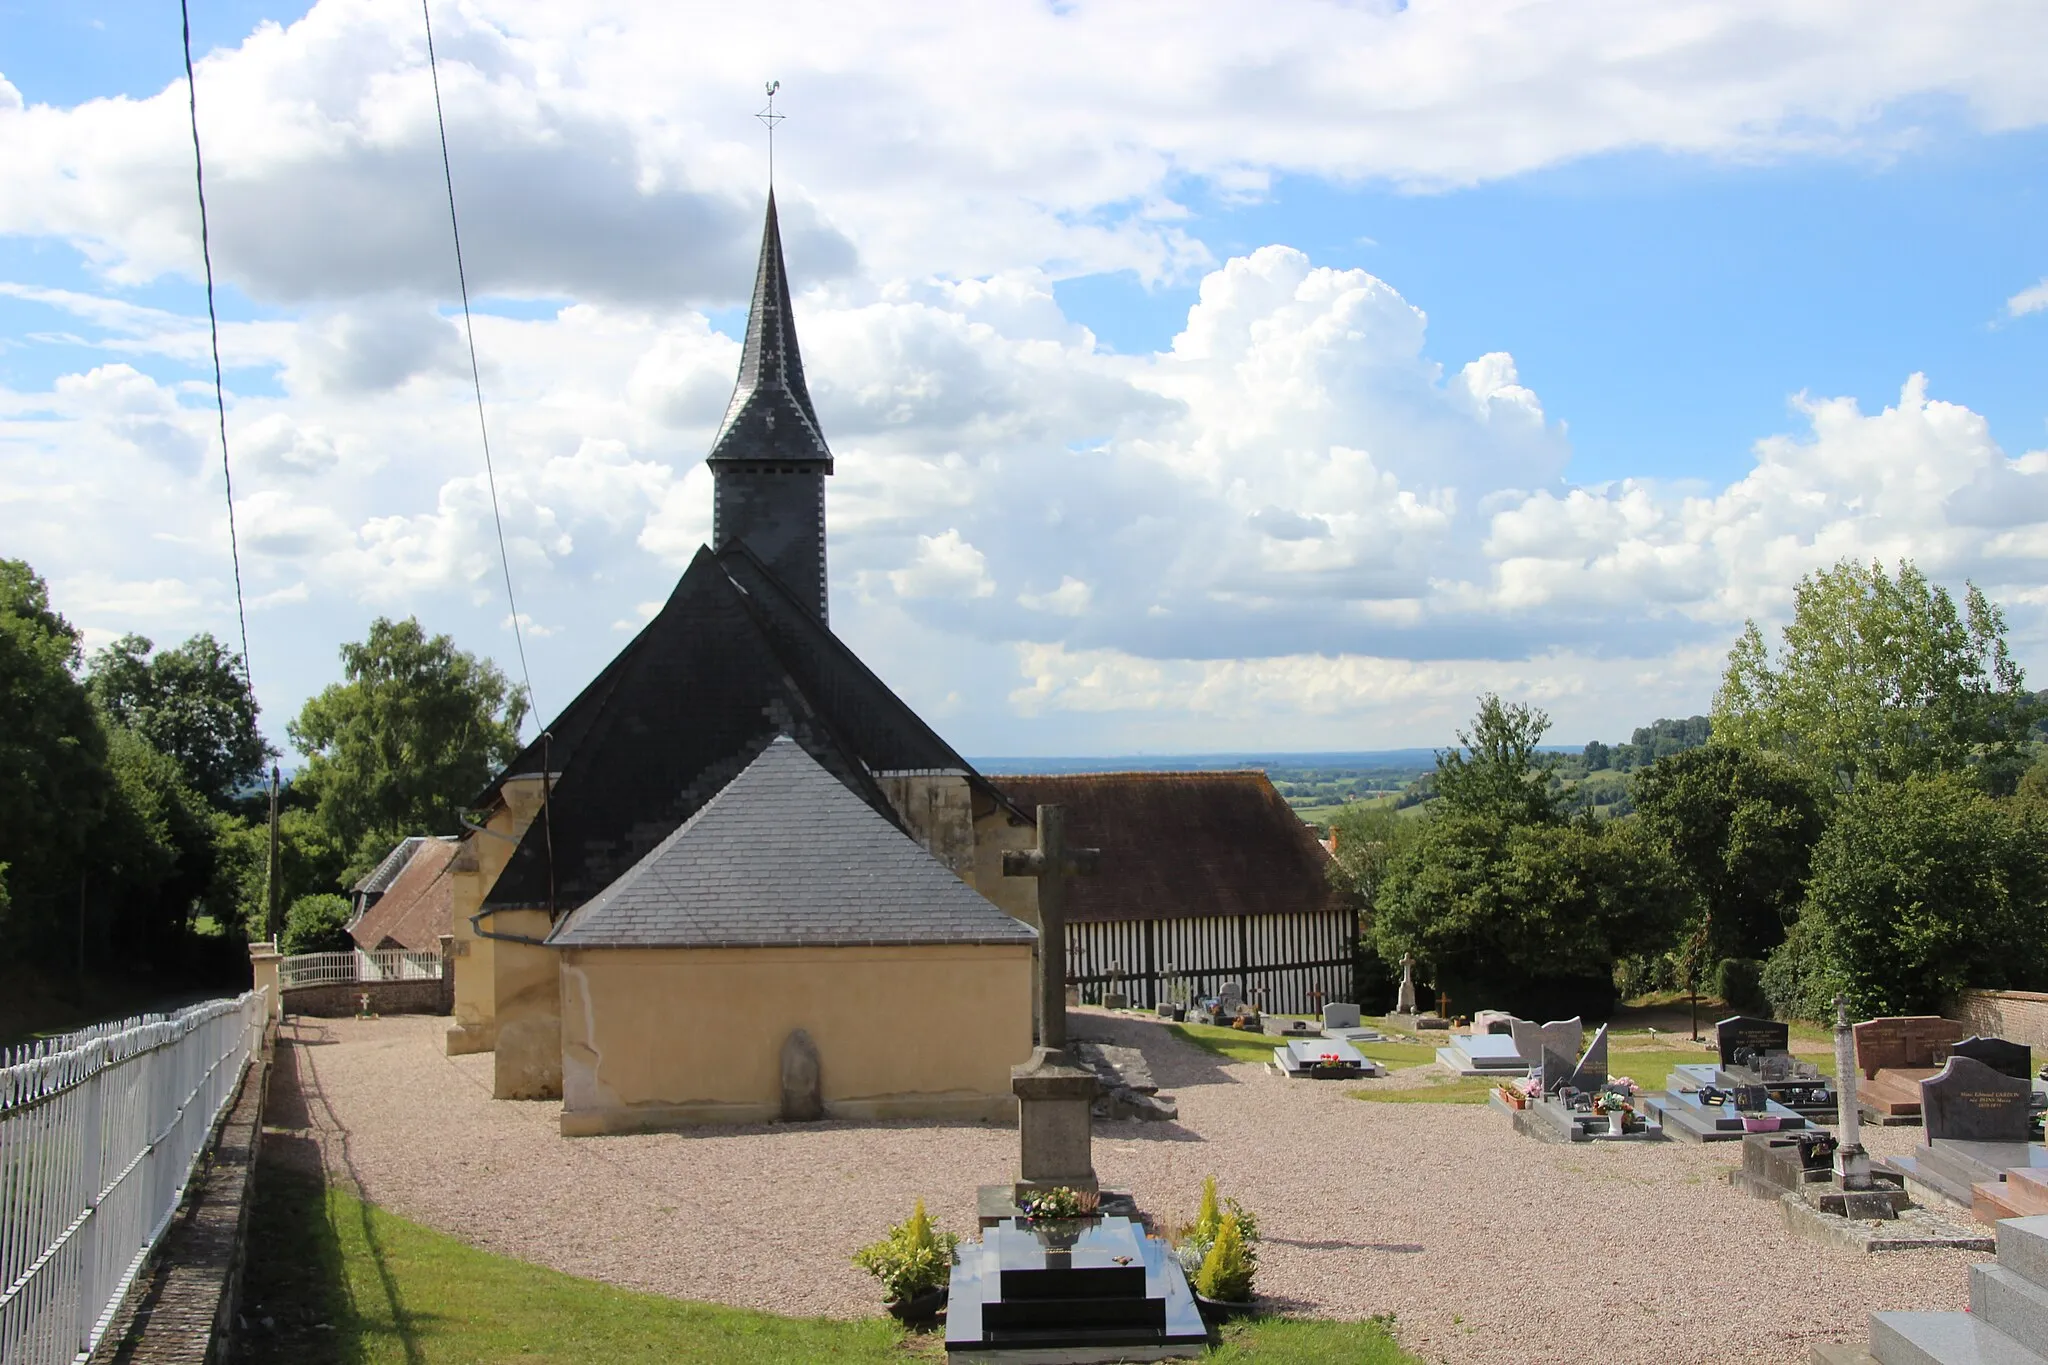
{"points": [[769, 117]]}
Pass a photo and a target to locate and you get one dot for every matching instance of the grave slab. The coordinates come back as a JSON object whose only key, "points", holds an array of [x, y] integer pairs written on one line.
{"points": [[1323, 1059], [1482, 1054], [1095, 1290]]}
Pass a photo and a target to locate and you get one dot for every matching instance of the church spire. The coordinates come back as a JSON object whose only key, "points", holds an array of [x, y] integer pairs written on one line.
{"points": [[769, 462], [770, 417]]}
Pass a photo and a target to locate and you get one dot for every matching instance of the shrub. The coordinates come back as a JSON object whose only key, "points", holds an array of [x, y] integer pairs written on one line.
{"points": [[1739, 981], [317, 924], [915, 1258], [1228, 1268], [1199, 1238]]}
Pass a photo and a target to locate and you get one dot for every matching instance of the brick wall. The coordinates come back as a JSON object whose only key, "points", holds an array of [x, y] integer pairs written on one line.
{"points": [[2017, 1016], [386, 997]]}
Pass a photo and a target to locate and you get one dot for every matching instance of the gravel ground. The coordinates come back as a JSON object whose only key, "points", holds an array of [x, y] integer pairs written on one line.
{"points": [[1488, 1248]]}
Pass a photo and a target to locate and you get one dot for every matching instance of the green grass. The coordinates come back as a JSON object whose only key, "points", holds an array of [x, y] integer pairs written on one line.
{"points": [[1301, 1341], [1459, 1090], [342, 1282], [1237, 1045]]}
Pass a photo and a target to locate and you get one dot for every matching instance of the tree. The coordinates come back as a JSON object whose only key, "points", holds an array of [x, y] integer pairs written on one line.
{"points": [[1496, 768], [191, 702], [417, 728], [1919, 890], [1741, 827], [1879, 678], [317, 924], [53, 778], [1529, 917]]}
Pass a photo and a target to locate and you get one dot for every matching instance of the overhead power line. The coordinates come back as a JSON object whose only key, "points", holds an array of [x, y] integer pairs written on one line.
{"points": [[475, 374], [220, 402]]}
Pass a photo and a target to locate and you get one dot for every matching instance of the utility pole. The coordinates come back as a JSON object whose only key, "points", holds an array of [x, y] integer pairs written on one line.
{"points": [[270, 919]]}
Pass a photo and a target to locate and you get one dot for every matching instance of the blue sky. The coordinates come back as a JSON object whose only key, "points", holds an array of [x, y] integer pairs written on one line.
{"points": [[1673, 305]]}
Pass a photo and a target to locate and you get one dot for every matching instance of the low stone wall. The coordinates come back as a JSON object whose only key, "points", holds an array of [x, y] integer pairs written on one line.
{"points": [[386, 997], [2016, 1016], [181, 1309]]}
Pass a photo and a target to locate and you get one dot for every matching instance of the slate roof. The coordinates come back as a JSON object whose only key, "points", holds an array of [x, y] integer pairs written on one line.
{"points": [[770, 418], [1182, 844], [416, 909], [731, 660], [379, 878], [786, 855]]}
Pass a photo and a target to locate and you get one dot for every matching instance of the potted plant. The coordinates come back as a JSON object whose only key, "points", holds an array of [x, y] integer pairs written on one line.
{"points": [[1219, 1252], [915, 1265]]}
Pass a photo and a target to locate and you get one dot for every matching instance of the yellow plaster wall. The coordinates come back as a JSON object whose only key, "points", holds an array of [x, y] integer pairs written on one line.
{"points": [[660, 1038], [995, 831], [528, 1061], [472, 873]]}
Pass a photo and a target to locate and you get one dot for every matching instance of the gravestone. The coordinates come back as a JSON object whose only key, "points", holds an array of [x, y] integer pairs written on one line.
{"points": [[2006, 1058], [1589, 1077], [1902, 1041], [1404, 1000], [1741, 1033], [1559, 1043], [803, 1098], [1340, 1016], [1528, 1036], [1970, 1102]]}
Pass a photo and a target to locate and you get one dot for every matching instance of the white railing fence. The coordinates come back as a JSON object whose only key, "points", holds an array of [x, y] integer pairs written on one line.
{"points": [[345, 969], [99, 1134]]}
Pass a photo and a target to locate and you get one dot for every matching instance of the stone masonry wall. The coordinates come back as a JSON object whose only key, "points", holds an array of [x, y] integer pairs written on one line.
{"points": [[2016, 1016], [386, 997]]}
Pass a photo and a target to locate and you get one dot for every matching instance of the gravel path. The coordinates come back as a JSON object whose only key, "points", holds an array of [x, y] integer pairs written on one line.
{"points": [[1488, 1248]]}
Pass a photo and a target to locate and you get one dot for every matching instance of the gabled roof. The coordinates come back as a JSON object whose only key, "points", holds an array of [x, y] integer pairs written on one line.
{"points": [[729, 662], [770, 418], [379, 878], [1183, 844], [416, 909], [785, 855]]}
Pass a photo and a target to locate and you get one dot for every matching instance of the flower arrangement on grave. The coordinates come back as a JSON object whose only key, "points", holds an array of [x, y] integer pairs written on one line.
{"points": [[1512, 1095], [915, 1259], [1330, 1061], [1196, 1241], [1059, 1204]]}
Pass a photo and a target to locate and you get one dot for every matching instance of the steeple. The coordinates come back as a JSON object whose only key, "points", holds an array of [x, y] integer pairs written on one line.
{"points": [[770, 416], [769, 460]]}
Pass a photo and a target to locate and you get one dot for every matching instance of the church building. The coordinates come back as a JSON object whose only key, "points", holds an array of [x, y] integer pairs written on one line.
{"points": [[737, 834]]}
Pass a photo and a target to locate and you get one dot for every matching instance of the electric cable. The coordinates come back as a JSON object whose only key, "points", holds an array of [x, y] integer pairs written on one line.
{"points": [[220, 401], [475, 374]]}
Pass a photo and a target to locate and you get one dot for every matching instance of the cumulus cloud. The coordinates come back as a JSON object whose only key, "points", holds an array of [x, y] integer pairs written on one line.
{"points": [[600, 152], [2032, 299]]}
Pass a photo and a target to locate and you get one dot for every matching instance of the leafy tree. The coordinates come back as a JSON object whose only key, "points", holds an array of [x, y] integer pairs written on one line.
{"points": [[191, 702], [1597, 756], [1741, 827], [309, 862], [1369, 836], [317, 924], [1919, 889], [53, 779], [1879, 678], [416, 728], [157, 851], [1496, 768]]}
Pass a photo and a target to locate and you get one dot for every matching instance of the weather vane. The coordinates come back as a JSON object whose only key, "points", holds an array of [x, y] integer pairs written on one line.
{"points": [[771, 118]]}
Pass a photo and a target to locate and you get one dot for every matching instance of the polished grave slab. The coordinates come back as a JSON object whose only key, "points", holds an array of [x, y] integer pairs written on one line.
{"points": [[1071, 1293], [1323, 1059]]}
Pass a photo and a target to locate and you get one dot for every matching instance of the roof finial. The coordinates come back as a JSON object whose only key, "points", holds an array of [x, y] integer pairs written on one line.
{"points": [[771, 118]]}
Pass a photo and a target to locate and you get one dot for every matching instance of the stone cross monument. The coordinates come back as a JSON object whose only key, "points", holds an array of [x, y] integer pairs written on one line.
{"points": [[1852, 1163], [1053, 1094], [1405, 1003]]}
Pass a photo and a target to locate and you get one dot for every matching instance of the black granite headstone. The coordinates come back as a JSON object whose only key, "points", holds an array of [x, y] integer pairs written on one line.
{"points": [[1742, 1033], [1970, 1102], [2009, 1059]]}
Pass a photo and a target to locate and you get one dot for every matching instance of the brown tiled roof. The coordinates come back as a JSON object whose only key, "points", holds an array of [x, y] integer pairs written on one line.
{"points": [[1182, 844], [414, 910]]}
